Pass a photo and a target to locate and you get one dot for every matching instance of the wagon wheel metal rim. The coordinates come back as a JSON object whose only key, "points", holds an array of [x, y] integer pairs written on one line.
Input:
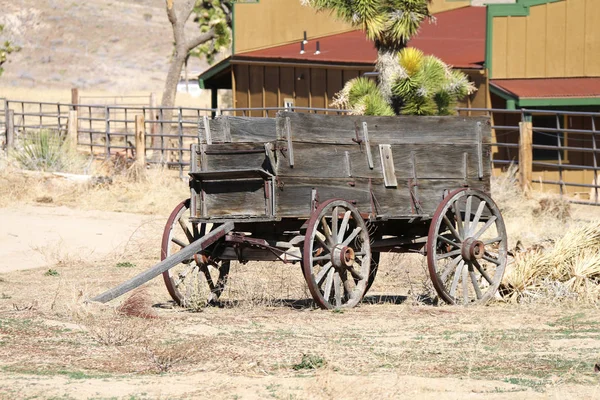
{"points": [[336, 258], [467, 248], [194, 277]]}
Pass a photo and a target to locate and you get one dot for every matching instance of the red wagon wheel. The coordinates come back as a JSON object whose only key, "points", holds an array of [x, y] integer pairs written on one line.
{"points": [[467, 247], [198, 280], [336, 259]]}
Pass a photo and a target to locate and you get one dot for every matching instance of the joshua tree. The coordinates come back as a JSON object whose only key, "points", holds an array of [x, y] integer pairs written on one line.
{"points": [[409, 81], [5, 49]]}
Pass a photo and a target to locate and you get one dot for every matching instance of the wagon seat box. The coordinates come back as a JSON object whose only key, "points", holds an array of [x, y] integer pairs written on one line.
{"points": [[233, 171]]}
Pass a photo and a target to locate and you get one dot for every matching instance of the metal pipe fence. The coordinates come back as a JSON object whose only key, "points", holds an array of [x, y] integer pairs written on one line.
{"points": [[564, 147]]}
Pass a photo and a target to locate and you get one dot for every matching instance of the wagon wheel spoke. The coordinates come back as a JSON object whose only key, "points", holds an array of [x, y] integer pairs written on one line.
{"points": [[344, 226], [478, 214], [347, 285], [327, 231], [482, 272], [352, 236], [328, 284], [487, 257], [324, 271], [448, 254], [465, 285], [467, 215], [459, 222], [322, 258], [450, 267], [485, 227], [474, 281], [186, 230], [334, 223], [178, 242], [337, 288], [457, 274], [448, 241], [494, 240], [322, 242], [209, 280], [451, 227], [354, 272]]}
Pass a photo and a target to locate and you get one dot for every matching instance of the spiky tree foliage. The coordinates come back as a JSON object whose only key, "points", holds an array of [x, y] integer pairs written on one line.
{"points": [[422, 84], [389, 23], [5, 49], [362, 97]]}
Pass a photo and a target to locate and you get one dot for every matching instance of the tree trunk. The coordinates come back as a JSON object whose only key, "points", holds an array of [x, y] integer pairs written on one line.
{"points": [[388, 68], [168, 97]]}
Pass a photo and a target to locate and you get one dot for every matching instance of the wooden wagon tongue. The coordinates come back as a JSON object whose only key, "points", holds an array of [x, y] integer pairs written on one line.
{"points": [[168, 263]]}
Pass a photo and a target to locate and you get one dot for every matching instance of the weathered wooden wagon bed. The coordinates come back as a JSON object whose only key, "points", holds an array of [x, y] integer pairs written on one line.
{"points": [[333, 192]]}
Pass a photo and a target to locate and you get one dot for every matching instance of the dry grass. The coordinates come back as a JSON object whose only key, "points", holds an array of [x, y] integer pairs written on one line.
{"points": [[531, 219], [555, 257], [157, 193]]}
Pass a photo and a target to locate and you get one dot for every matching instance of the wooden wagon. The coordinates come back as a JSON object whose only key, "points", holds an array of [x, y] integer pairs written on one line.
{"points": [[332, 193]]}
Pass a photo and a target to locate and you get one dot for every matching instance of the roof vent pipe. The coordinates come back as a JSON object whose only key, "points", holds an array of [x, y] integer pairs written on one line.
{"points": [[318, 48], [305, 38], [302, 48]]}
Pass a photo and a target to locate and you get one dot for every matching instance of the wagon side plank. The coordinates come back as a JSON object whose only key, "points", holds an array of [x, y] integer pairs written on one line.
{"points": [[295, 194], [332, 160], [314, 128], [228, 129]]}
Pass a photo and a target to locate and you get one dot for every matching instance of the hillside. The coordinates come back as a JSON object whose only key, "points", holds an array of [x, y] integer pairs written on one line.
{"points": [[118, 46]]}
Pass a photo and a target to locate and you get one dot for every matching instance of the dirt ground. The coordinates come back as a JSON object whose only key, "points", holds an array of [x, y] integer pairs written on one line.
{"points": [[266, 340]]}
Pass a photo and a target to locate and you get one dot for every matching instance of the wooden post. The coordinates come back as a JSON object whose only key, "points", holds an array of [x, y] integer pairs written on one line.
{"points": [[525, 154], [74, 98], [140, 141], [72, 129], [10, 129]]}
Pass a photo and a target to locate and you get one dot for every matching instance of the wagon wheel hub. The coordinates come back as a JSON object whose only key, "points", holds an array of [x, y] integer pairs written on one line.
{"points": [[472, 249], [343, 256]]}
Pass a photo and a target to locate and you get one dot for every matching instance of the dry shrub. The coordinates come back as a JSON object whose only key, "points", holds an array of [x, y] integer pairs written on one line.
{"points": [[105, 325], [557, 206], [164, 356], [139, 304]]}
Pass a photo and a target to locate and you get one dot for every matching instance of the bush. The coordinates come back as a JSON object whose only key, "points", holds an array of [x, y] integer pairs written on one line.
{"points": [[47, 151]]}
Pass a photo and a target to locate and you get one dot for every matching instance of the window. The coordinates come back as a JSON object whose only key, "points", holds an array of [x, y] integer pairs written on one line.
{"points": [[544, 133]]}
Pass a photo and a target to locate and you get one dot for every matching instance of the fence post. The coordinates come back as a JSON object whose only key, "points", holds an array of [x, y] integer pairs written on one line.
{"points": [[75, 98], [525, 154], [72, 129], [153, 124], [10, 129], [140, 141]]}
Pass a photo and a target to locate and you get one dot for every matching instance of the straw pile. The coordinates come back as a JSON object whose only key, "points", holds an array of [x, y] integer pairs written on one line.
{"points": [[570, 268]]}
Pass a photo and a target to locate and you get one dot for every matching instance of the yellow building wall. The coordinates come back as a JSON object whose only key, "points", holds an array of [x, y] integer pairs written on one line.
{"points": [[560, 39], [437, 6], [275, 22]]}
